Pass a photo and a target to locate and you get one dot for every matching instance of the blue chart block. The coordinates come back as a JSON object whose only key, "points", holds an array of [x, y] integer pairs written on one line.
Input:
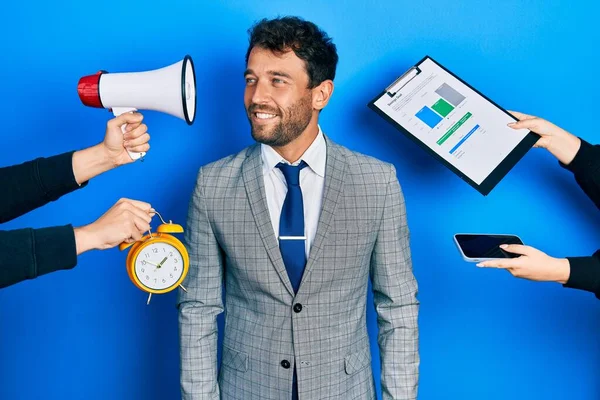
{"points": [[428, 116], [468, 135]]}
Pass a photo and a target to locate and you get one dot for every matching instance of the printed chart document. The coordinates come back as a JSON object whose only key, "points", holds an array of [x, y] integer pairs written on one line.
{"points": [[455, 123]]}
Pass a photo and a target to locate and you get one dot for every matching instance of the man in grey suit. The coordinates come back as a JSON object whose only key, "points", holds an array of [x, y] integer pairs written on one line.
{"points": [[294, 226]]}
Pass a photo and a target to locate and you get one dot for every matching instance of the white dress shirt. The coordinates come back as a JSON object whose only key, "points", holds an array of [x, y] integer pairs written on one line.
{"points": [[312, 182]]}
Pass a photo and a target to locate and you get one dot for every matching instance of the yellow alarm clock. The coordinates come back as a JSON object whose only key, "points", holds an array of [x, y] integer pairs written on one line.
{"points": [[158, 262]]}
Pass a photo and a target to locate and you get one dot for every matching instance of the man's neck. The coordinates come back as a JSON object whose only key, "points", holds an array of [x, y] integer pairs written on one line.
{"points": [[292, 151]]}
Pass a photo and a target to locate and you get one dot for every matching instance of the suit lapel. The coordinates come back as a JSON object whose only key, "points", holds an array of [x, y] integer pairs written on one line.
{"points": [[255, 190], [335, 170]]}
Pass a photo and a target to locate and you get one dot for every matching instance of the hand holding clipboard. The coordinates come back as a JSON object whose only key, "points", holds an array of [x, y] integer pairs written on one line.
{"points": [[455, 123]]}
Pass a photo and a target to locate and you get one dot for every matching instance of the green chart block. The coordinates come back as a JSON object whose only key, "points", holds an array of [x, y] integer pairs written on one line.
{"points": [[454, 128], [443, 107]]}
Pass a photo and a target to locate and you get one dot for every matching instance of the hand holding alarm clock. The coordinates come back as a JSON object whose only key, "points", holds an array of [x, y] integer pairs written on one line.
{"points": [[158, 262]]}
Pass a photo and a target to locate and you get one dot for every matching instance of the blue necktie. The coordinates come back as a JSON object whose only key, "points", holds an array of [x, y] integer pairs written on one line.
{"points": [[291, 225], [292, 238]]}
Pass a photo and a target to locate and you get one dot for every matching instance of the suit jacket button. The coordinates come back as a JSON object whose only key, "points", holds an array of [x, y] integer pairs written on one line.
{"points": [[285, 364], [297, 307]]}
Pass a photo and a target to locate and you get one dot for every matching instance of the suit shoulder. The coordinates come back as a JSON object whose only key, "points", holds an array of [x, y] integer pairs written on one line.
{"points": [[364, 164], [225, 166]]}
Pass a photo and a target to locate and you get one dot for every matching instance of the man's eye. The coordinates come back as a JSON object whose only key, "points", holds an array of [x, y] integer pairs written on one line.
{"points": [[250, 80], [278, 81]]}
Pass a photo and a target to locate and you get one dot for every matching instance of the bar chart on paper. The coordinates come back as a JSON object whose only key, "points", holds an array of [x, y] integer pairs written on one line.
{"points": [[459, 125], [450, 94], [448, 123], [447, 101]]}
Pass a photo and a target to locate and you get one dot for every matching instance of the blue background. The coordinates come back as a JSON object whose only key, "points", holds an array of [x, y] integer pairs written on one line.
{"points": [[88, 334]]}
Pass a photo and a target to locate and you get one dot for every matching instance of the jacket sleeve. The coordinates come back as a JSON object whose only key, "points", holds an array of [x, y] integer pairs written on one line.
{"points": [[586, 168], [29, 253], [201, 304], [34, 183], [585, 273], [395, 297]]}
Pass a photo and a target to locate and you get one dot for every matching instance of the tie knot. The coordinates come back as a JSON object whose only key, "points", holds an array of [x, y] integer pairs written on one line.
{"points": [[291, 172]]}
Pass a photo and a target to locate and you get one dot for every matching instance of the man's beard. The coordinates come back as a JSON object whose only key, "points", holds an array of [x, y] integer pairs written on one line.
{"points": [[291, 123]]}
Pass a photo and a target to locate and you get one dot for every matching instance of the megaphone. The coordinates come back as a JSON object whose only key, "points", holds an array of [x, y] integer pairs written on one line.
{"points": [[171, 90]]}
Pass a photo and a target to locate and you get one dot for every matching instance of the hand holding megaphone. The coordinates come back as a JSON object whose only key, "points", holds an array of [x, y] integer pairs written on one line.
{"points": [[125, 134], [171, 90]]}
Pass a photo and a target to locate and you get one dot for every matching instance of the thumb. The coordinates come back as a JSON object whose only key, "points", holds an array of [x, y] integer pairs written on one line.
{"points": [[518, 249], [126, 118], [531, 124], [521, 116]]}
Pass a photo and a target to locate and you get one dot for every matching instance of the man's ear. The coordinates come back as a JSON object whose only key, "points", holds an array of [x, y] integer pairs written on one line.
{"points": [[321, 94]]}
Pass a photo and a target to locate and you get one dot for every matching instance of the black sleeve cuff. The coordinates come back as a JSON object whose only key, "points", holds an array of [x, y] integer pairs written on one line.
{"points": [[56, 175], [585, 273], [29, 253], [583, 159], [54, 249]]}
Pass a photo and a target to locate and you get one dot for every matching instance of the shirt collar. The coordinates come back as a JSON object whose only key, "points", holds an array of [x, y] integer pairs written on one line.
{"points": [[315, 156]]}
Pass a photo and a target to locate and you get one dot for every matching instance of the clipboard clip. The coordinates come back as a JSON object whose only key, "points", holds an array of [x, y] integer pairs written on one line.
{"points": [[402, 81]]}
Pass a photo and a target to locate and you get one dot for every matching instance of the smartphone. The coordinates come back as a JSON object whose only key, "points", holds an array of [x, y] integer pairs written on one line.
{"points": [[481, 247]]}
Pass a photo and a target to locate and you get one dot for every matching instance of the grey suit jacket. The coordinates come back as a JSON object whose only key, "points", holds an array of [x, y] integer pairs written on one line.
{"points": [[361, 233]]}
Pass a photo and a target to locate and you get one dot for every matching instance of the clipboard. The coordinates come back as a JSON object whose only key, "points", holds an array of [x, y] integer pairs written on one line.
{"points": [[455, 123]]}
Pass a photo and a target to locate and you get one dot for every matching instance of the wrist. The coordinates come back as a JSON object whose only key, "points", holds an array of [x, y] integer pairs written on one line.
{"points": [[563, 270], [84, 239], [91, 162], [565, 148], [111, 161]]}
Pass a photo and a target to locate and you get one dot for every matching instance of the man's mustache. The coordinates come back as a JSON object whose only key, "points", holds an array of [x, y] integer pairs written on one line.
{"points": [[258, 108]]}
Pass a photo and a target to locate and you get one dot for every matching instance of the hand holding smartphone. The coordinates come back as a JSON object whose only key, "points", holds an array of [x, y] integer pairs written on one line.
{"points": [[482, 247]]}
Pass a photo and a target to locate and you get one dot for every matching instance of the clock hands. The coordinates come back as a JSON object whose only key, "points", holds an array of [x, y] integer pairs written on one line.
{"points": [[162, 262], [157, 265]]}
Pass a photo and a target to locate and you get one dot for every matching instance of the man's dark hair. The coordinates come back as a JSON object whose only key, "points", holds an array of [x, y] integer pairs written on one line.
{"points": [[304, 38]]}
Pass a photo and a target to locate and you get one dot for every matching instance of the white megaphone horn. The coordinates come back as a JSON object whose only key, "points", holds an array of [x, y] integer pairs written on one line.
{"points": [[171, 90]]}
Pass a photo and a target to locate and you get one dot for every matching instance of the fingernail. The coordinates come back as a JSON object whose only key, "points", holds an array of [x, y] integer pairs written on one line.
{"points": [[511, 123], [152, 210], [503, 246], [480, 265]]}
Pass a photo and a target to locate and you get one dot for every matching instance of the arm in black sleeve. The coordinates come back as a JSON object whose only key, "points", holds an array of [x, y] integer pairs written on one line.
{"points": [[29, 253], [34, 183], [586, 167], [585, 273]]}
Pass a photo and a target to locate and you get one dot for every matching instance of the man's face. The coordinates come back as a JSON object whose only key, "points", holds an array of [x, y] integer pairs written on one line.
{"points": [[277, 99]]}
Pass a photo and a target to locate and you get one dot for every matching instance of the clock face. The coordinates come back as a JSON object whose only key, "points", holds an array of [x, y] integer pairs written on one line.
{"points": [[159, 266]]}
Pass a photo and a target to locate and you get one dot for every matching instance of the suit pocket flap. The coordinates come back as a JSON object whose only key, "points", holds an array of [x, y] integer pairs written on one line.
{"points": [[348, 232], [357, 361], [237, 360]]}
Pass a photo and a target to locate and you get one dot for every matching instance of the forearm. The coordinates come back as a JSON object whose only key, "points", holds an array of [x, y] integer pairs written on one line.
{"points": [[85, 240], [34, 183], [586, 168], [399, 351], [585, 273], [564, 147], [91, 162], [198, 352], [397, 318], [29, 253], [198, 311]]}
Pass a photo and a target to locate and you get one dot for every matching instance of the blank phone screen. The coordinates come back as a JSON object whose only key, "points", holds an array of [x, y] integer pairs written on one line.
{"points": [[486, 246]]}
